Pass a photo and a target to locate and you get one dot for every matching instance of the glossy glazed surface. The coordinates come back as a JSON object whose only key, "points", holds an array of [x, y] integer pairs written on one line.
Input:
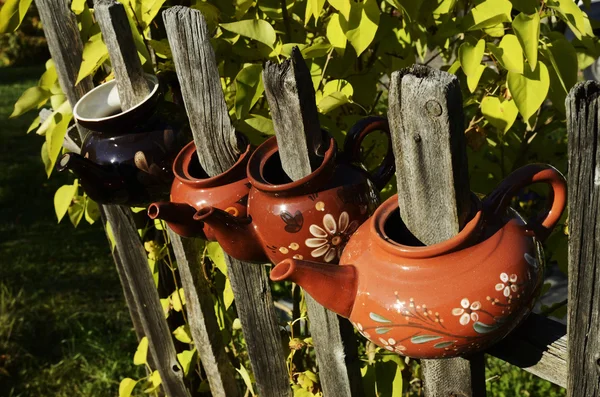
{"points": [[127, 157], [193, 189], [443, 300]]}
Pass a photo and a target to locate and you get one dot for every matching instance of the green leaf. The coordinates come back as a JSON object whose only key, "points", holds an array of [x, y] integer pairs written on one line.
{"points": [[316, 50], [343, 6], [49, 78], [185, 359], [488, 13], [215, 253], [563, 57], [473, 79], [228, 295], [335, 34], [34, 124], [335, 93], [150, 9], [182, 334], [529, 89], [32, 98], [442, 345], [499, 112], [161, 48], [470, 56], [141, 354], [76, 210], [569, 12], [527, 30], [313, 8], [126, 387], [388, 378], [246, 377], [94, 55], [482, 328], [12, 14], [248, 89], [256, 29], [362, 24], [166, 306], [63, 198], [378, 318], [241, 7], [110, 235], [92, 211], [424, 338], [77, 6], [154, 381], [56, 135], [178, 300], [509, 53]]}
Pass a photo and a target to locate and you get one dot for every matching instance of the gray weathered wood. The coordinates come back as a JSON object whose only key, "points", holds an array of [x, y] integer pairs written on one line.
{"points": [[584, 245], [291, 97], [116, 33], [426, 121], [197, 70], [217, 149], [202, 319], [139, 277], [538, 346]]}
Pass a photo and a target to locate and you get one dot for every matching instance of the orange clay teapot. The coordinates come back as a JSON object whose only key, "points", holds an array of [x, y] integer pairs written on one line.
{"points": [[446, 299], [310, 218]]}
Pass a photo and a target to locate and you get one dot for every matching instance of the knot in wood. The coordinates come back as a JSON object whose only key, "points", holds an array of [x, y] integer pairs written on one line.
{"points": [[417, 138], [597, 358], [433, 108]]}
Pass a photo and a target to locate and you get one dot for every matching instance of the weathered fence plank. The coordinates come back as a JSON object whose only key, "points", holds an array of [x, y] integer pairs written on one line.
{"points": [[131, 84], [583, 106], [291, 97], [217, 149], [426, 121]]}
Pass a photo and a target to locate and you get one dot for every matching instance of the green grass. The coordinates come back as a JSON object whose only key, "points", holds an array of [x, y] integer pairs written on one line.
{"points": [[64, 326]]}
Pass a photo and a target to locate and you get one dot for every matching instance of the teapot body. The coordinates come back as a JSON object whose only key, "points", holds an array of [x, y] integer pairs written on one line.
{"points": [[446, 304]]}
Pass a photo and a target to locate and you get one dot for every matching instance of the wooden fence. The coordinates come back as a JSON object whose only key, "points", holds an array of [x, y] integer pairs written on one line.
{"points": [[425, 114]]}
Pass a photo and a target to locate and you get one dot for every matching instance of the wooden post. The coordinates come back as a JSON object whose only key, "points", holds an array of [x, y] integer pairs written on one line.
{"points": [[217, 149], [426, 121], [133, 88], [583, 107], [291, 96]]}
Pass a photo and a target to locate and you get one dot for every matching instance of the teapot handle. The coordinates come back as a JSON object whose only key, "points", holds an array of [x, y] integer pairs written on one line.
{"points": [[497, 201], [382, 174]]}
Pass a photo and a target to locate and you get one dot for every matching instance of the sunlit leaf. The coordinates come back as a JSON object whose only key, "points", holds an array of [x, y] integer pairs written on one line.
{"points": [[343, 6], [186, 359], [499, 113], [509, 53], [92, 211], [336, 35], [182, 334], [94, 55], [55, 136], [529, 89], [76, 210], [473, 79], [569, 12], [563, 58], [141, 352], [155, 381], [246, 377], [488, 13], [470, 56], [248, 89], [50, 77], [228, 295], [388, 378], [527, 30], [77, 6], [126, 387], [216, 255], [34, 124], [32, 98], [362, 24], [12, 14], [178, 300], [256, 29], [62, 199], [313, 8]]}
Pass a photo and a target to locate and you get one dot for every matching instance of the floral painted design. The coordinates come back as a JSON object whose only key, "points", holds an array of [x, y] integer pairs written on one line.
{"points": [[329, 241], [467, 311], [508, 284], [391, 345], [293, 223]]}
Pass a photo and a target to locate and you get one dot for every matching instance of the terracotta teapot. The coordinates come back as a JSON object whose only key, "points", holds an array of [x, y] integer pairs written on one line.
{"points": [[310, 218], [127, 157], [192, 189], [443, 300]]}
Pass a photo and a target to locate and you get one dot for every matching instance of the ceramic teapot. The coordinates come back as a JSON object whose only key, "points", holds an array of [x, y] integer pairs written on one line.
{"points": [[310, 218], [192, 189], [127, 156], [443, 300]]}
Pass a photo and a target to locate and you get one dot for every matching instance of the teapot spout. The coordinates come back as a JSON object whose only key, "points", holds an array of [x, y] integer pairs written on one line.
{"points": [[179, 217], [333, 286], [235, 234], [101, 183]]}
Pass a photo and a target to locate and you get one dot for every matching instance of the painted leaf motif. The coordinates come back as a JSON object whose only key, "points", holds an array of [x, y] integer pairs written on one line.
{"points": [[382, 330], [293, 222], [442, 345], [378, 318], [424, 338], [482, 328]]}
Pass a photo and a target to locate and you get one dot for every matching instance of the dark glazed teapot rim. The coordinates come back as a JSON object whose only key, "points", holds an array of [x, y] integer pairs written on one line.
{"points": [[181, 169], [268, 149], [104, 101], [390, 207]]}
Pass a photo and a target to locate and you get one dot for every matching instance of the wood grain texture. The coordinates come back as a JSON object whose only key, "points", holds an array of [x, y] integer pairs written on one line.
{"points": [[139, 277], [198, 74], [583, 128], [66, 49], [202, 319], [291, 96], [538, 346], [116, 33], [426, 122], [216, 145]]}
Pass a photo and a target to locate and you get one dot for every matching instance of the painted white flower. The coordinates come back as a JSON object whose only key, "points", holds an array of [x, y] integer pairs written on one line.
{"points": [[391, 345], [508, 284], [329, 240], [467, 311]]}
